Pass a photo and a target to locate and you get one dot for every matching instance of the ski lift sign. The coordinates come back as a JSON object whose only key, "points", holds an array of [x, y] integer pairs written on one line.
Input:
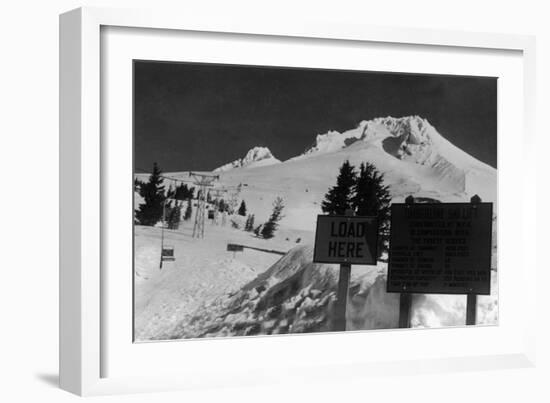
{"points": [[168, 254], [440, 248], [346, 240]]}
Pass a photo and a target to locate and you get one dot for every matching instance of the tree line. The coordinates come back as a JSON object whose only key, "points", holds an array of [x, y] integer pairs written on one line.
{"points": [[160, 204], [155, 206]]}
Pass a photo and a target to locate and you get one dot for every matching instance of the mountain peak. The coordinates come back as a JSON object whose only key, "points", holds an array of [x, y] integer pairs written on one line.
{"points": [[413, 129], [255, 157]]}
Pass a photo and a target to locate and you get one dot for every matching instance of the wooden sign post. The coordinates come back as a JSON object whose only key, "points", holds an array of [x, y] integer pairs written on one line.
{"points": [[405, 299], [471, 308], [345, 240], [471, 298], [342, 297]]}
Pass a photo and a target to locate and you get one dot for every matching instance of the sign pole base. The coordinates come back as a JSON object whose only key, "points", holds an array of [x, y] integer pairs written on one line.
{"points": [[342, 298], [471, 308], [405, 302]]}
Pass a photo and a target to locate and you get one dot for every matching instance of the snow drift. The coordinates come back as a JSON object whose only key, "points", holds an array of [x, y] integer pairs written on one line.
{"points": [[298, 296]]}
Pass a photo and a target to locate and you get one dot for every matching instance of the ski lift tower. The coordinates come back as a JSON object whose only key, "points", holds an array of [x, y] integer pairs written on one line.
{"points": [[203, 181]]}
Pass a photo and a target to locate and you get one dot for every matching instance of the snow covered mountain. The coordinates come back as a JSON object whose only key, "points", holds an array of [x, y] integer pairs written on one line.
{"points": [[413, 140], [255, 157], [413, 156]]}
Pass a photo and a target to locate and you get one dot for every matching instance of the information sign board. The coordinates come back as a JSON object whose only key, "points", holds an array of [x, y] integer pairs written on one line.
{"points": [[440, 248]]}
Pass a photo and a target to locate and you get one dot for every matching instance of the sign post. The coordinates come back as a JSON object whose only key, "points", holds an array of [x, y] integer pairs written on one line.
{"points": [[162, 233], [471, 308], [440, 248], [342, 297], [471, 299], [405, 299], [345, 240]]}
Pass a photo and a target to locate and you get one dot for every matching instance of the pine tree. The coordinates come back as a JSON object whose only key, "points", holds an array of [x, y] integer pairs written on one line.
{"points": [[372, 198], [258, 230], [150, 212], [188, 210], [221, 206], [167, 213], [242, 209], [137, 184], [182, 192], [173, 215], [170, 193], [249, 226], [338, 198], [268, 230]]}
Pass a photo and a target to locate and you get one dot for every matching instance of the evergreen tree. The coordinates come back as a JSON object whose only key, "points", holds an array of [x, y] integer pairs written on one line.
{"points": [[242, 209], [258, 230], [221, 206], [173, 215], [249, 226], [268, 230], [166, 213], [170, 193], [338, 198], [372, 198], [188, 210], [182, 192], [137, 184], [150, 212]]}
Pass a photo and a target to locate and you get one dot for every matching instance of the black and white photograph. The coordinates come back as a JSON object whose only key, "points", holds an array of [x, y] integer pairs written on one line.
{"points": [[278, 200]]}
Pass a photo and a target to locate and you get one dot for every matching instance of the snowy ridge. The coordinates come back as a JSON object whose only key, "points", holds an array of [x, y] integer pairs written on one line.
{"points": [[255, 157], [414, 140], [333, 141], [409, 138]]}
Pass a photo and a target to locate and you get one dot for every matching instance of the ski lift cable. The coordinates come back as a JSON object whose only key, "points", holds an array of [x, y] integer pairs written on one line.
{"points": [[167, 177], [225, 188]]}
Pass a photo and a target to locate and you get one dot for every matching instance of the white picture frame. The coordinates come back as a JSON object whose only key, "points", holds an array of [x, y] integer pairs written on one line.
{"points": [[84, 345]]}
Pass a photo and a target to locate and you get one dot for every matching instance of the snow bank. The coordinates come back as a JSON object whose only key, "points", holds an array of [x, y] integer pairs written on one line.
{"points": [[297, 296]]}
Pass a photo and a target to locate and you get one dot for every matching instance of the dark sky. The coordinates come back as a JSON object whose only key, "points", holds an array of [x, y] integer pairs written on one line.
{"points": [[190, 116]]}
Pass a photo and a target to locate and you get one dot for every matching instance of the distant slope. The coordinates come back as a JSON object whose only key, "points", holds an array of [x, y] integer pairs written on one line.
{"points": [[255, 157]]}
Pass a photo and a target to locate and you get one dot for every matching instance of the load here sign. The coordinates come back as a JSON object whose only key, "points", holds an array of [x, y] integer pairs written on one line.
{"points": [[346, 239]]}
